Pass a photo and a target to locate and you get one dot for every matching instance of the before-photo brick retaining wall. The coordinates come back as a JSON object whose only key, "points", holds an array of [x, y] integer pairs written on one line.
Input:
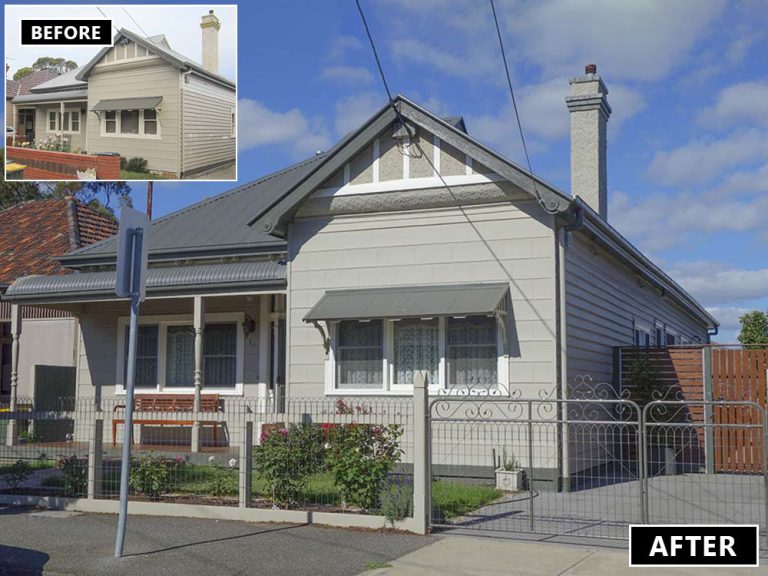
{"points": [[44, 165]]}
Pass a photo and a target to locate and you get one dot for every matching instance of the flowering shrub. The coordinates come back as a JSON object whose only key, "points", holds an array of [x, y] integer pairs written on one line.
{"points": [[286, 458], [75, 474], [151, 475], [343, 408], [52, 144], [360, 459], [397, 499]]}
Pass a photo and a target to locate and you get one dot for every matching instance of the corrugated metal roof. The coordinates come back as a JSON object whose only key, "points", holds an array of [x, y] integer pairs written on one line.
{"points": [[216, 223], [80, 286], [128, 103], [408, 302], [66, 80], [51, 96]]}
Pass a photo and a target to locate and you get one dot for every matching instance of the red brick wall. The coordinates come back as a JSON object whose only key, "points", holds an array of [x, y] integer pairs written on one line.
{"points": [[44, 165]]}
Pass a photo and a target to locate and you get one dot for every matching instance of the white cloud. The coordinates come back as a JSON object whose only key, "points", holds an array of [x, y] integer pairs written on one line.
{"points": [[353, 110], [703, 159], [260, 126], [728, 317], [350, 74], [742, 103], [628, 40], [662, 221], [716, 284], [457, 63]]}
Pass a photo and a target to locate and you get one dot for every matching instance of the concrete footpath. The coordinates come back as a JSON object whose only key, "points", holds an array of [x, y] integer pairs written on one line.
{"points": [[453, 555]]}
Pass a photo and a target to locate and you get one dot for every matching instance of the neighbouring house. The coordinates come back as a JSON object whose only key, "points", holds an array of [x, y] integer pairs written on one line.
{"points": [[407, 246], [33, 234], [22, 119], [140, 98]]}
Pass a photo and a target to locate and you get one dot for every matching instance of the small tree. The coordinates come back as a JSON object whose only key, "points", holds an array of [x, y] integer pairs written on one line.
{"points": [[754, 328]]}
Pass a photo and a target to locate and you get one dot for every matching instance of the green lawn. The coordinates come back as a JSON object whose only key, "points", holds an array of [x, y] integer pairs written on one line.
{"points": [[451, 499]]}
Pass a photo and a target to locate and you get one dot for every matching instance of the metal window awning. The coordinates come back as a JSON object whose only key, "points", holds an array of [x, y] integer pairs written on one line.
{"points": [[128, 103], [84, 286], [409, 302]]}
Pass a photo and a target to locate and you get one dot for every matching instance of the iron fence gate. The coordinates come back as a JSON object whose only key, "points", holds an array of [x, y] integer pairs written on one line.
{"points": [[589, 467]]}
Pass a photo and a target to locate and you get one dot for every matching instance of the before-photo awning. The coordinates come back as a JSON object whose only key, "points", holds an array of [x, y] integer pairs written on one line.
{"points": [[408, 302], [128, 104]]}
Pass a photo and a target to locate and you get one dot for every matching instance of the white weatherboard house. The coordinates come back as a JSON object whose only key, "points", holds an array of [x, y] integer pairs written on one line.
{"points": [[140, 98], [407, 246]]}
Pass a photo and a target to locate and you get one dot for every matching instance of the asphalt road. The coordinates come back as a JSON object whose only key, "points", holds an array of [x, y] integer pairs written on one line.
{"points": [[34, 542]]}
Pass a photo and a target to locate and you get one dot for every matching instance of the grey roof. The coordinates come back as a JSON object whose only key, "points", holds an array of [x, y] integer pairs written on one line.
{"points": [[160, 281], [408, 302], [155, 45], [66, 80], [128, 103], [51, 96], [218, 225]]}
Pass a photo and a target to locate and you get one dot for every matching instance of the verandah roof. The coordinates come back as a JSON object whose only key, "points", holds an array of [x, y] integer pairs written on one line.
{"points": [[160, 281], [408, 302]]}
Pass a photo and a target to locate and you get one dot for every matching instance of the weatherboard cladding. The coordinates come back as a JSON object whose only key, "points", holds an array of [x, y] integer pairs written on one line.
{"points": [[158, 279], [409, 302]]}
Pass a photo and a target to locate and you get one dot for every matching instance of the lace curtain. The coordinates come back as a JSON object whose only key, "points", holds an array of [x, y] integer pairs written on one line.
{"points": [[146, 356], [416, 348], [360, 354], [180, 357], [471, 350], [220, 355]]}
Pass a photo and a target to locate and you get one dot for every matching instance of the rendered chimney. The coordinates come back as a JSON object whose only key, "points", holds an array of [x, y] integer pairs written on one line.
{"points": [[589, 108], [210, 25]]}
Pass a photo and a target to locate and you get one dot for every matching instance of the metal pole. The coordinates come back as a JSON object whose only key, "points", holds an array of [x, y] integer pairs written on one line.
{"points": [[125, 464], [530, 464]]}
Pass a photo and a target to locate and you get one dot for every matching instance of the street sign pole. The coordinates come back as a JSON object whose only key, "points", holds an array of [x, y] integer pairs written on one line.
{"points": [[131, 283]]}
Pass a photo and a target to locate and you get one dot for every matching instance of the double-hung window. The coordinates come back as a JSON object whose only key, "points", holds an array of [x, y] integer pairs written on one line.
{"points": [[143, 123], [68, 121], [642, 336], [165, 355], [384, 355]]}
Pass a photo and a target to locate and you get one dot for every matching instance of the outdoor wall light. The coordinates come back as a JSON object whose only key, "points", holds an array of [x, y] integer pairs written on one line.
{"points": [[249, 325]]}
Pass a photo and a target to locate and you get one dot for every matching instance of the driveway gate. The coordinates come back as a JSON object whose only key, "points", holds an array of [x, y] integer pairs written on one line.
{"points": [[589, 467]]}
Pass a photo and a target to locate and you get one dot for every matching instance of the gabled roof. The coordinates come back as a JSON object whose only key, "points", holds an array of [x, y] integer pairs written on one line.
{"points": [[11, 88], [61, 82], [32, 80], [157, 45], [215, 226], [274, 219], [35, 232]]}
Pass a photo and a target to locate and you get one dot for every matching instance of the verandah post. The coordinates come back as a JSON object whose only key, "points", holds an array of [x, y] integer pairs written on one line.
{"points": [[199, 323], [13, 424], [421, 456]]}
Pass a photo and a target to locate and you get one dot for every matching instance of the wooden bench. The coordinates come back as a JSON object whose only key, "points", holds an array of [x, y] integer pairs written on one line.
{"points": [[170, 403]]}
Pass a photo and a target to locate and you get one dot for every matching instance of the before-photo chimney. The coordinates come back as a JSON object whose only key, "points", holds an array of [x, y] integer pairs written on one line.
{"points": [[210, 26], [589, 110]]}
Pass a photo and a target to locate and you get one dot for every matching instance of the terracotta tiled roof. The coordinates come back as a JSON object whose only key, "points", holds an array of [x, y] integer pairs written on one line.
{"points": [[36, 232], [11, 89], [33, 79]]}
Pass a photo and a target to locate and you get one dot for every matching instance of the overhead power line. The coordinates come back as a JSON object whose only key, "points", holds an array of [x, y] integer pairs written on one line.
{"points": [[134, 21], [517, 114]]}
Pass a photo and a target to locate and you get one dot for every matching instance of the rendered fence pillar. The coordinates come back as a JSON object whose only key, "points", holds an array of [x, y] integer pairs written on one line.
{"points": [[422, 505], [13, 424], [246, 465], [709, 431], [199, 324], [95, 454]]}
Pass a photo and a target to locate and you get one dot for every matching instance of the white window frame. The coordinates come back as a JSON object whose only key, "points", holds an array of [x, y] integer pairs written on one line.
{"points": [[644, 330], [674, 333], [389, 388], [60, 120], [141, 134], [163, 322]]}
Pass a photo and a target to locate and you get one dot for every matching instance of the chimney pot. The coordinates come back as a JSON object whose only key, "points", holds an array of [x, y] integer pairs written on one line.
{"points": [[590, 68]]}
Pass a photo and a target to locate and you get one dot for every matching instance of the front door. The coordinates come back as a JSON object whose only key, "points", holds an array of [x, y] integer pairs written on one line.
{"points": [[26, 124]]}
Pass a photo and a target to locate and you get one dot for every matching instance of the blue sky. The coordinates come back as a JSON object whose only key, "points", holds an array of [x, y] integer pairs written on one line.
{"points": [[688, 83]]}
